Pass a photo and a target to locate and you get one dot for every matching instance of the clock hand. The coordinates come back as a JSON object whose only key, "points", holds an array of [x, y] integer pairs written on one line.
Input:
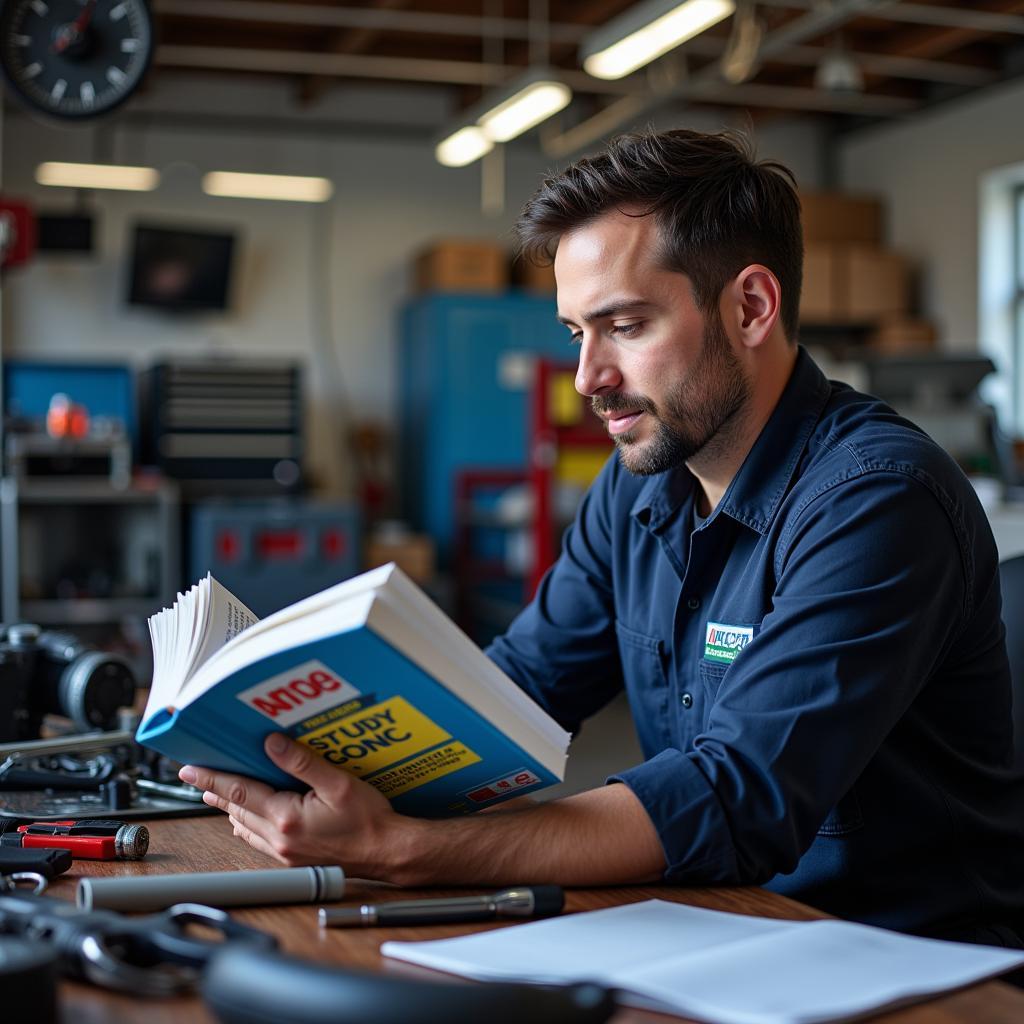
{"points": [[82, 21], [72, 32]]}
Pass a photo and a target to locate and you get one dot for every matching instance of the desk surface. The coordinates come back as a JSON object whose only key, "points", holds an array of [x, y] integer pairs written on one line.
{"points": [[206, 844]]}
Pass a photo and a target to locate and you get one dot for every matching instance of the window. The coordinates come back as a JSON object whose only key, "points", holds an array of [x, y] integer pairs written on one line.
{"points": [[1001, 292], [1018, 298]]}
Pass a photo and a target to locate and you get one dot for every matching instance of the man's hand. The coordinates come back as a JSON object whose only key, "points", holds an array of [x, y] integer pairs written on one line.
{"points": [[341, 820], [602, 837]]}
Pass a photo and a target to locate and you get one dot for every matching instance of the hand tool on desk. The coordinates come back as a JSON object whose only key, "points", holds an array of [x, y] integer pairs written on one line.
{"points": [[155, 955], [521, 901], [89, 838]]}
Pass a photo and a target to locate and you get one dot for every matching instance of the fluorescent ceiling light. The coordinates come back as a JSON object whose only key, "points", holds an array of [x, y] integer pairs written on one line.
{"points": [[463, 147], [530, 105], [131, 179], [286, 187], [647, 31]]}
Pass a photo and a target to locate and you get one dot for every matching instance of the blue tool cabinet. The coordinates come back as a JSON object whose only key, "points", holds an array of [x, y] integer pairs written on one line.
{"points": [[465, 373]]}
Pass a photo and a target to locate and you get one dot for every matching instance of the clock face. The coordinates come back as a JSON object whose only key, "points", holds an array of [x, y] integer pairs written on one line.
{"points": [[74, 58]]}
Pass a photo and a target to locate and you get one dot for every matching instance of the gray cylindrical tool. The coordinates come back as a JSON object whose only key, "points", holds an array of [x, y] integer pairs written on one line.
{"points": [[215, 888]]}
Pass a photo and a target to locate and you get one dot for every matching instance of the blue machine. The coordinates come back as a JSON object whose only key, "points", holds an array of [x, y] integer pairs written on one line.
{"points": [[270, 553], [465, 365]]}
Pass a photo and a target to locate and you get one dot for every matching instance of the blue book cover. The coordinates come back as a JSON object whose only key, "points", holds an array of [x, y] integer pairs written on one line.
{"points": [[359, 702]]}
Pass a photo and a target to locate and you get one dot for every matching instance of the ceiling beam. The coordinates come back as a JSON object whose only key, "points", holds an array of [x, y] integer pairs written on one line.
{"points": [[937, 41], [358, 65], [348, 40]]}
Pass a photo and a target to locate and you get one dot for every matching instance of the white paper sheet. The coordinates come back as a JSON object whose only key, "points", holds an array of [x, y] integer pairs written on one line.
{"points": [[723, 968]]}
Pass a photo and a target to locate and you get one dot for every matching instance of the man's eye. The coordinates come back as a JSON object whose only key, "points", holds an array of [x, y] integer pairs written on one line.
{"points": [[576, 338], [627, 330]]}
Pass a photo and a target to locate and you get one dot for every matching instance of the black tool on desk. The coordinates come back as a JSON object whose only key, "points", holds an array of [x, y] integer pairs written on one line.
{"points": [[522, 901], [14, 859], [247, 986], [155, 955]]}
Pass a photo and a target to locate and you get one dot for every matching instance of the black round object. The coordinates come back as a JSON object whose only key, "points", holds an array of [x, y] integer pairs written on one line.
{"points": [[243, 985], [92, 688], [28, 981], [75, 58]]}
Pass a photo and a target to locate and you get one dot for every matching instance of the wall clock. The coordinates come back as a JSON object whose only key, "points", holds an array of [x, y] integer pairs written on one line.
{"points": [[75, 59]]}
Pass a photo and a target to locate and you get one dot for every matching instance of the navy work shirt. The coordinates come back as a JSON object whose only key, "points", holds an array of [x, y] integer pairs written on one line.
{"points": [[817, 673]]}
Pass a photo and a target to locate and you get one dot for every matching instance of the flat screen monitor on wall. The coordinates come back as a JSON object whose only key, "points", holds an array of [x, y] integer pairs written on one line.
{"points": [[180, 270]]}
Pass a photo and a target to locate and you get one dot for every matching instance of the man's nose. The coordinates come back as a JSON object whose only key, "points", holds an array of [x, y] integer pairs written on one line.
{"points": [[597, 371]]}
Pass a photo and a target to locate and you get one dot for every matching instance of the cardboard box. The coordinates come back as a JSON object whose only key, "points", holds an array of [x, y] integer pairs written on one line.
{"points": [[853, 284], [819, 299], [838, 217], [462, 266], [413, 553], [531, 278], [876, 283], [902, 334]]}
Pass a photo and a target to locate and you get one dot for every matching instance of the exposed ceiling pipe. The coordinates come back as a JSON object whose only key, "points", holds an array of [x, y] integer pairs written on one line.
{"points": [[707, 83], [492, 27], [609, 120], [431, 23], [709, 88], [355, 65], [484, 74], [961, 16]]}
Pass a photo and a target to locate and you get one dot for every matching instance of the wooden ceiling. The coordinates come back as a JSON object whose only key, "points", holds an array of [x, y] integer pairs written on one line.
{"points": [[910, 54]]}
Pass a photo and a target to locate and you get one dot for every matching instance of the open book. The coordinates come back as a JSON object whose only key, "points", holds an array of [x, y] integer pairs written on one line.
{"points": [[369, 674], [713, 966]]}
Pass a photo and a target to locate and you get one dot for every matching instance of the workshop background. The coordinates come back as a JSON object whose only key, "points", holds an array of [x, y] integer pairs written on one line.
{"points": [[287, 379]]}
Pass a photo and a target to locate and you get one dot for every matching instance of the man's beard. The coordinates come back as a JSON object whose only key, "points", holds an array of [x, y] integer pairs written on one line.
{"points": [[696, 408]]}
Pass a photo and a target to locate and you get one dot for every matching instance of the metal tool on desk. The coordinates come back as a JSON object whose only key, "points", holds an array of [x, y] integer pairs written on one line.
{"points": [[522, 901], [154, 955], [87, 775]]}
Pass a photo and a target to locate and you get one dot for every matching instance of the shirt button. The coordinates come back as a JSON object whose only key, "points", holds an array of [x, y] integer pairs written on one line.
{"points": [[693, 603], [687, 700]]}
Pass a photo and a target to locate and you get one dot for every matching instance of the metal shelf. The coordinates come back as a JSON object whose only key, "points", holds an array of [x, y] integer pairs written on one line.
{"points": [[87, 611], [129, 533], [91, 492]]}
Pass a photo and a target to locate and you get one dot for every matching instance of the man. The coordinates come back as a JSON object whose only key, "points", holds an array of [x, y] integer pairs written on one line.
{"points": [[796, 587]]}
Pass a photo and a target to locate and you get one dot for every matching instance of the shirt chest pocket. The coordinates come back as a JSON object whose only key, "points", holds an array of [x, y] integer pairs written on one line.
{"points": [[643, 671], [721, 645]]}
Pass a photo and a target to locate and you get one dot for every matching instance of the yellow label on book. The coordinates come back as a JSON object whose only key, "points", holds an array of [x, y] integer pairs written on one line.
{"points": [[433, 765], [375, 737]]}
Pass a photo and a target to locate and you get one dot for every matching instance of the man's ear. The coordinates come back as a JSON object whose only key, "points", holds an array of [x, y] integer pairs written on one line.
{"points": [[755, 299]]}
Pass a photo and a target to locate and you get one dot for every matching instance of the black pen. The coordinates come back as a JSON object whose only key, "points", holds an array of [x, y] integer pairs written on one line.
{"points": [[522, 901]]}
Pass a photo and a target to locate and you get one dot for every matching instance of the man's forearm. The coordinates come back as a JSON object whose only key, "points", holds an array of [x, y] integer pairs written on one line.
{"points": [[601, 837]]}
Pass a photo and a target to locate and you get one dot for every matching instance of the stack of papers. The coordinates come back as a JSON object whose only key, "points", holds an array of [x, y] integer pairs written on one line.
{"points": [[723, 968]]}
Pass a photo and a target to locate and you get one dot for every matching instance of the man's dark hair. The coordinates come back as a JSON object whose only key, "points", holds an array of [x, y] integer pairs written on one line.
{"points": [[718, 209]]}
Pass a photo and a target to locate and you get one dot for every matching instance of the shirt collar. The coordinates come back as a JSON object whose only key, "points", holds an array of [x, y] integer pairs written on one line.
{"points": [[755, 492]]}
